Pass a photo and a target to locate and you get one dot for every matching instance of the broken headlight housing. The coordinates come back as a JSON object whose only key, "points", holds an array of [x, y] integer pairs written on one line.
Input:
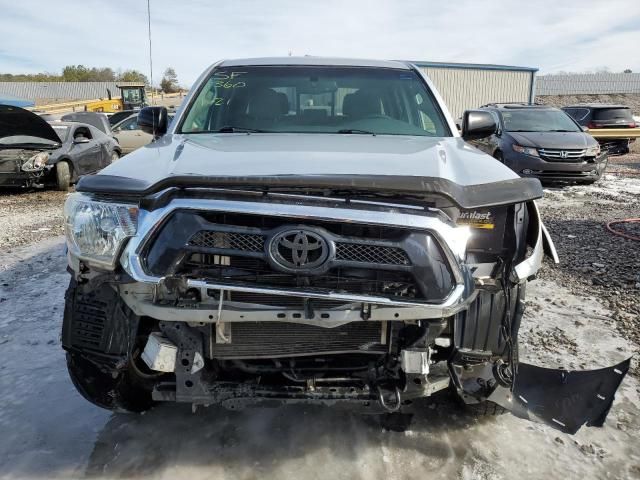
{"points": [[593, 151], [97, 231], [36, 163]]}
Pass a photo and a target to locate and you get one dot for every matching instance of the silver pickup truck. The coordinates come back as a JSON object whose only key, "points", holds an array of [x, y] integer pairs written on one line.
{"points": [[312, 230]]}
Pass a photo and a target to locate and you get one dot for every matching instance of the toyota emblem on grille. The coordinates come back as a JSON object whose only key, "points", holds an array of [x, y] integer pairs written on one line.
{"points": [[298, 249]]}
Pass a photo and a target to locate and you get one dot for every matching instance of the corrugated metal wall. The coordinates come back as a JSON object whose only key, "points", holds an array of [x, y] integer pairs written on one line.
{"points": [[465, 88], [60, 90], [597, 83]]}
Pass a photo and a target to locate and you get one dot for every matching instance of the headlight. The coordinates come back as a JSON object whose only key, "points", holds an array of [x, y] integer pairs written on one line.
{"points": [[593, 151], [96, 231], [36, 163], [526, 150]]}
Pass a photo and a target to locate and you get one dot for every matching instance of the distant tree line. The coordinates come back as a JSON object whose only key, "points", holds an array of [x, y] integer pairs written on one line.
{"points": [[79, 73], [596, 71]]}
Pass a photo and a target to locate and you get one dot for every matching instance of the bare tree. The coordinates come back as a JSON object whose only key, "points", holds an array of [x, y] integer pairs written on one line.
{"points": [[169, 82]]}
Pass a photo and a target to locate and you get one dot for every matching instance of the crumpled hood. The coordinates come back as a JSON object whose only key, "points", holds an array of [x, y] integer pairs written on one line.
{"points": [[381, 163], [568, 140], [312, 154], [18, 122]]}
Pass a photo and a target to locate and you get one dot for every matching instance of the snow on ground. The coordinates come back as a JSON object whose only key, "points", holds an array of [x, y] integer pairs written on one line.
{"points": [[48, 431]]}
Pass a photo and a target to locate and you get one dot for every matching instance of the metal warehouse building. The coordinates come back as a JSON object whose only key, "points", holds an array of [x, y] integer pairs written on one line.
{"points": [[469, 85]]}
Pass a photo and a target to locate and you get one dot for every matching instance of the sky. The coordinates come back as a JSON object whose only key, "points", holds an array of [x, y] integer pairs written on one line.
{"points": [[189, 35]]}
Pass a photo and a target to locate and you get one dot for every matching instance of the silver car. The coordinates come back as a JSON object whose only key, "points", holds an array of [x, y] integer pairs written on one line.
{"points": [[129, 135]]}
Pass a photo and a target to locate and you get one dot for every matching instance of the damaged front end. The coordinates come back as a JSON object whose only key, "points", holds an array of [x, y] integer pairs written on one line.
{"points": [[26, 141], [234, 298], [23, 167]]}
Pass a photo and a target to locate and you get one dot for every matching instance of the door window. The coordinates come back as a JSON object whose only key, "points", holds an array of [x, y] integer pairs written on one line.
{"points": [[129, 124], [82, 132]]}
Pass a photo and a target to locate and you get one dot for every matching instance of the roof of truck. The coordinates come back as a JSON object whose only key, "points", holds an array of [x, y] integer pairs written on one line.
{"points": [[312, 61], [359, 62]]}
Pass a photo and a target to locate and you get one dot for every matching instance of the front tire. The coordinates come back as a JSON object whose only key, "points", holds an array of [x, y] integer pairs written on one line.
{"points": [[115, 156], [118, 390], [63, 176]]}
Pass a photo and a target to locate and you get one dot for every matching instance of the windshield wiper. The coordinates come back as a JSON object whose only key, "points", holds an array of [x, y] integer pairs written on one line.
{"points": [[232, 129], [560, 130], [356, 130]]}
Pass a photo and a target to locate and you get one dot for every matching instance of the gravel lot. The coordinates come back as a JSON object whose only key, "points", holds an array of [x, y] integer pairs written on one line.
{"points": [[593, 261], [579, 315], [28, 217]]}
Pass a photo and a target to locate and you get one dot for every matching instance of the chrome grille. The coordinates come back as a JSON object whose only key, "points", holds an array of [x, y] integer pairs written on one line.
{"points": [[235, 250], [350, 252], [565, 155], [245, 242], [380, 254]]}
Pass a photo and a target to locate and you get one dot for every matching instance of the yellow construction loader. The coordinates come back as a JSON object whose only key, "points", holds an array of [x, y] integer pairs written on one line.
{"points": [[132, 97]]}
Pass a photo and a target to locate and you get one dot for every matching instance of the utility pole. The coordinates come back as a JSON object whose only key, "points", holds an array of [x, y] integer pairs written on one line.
{"points": [[150, 56]]}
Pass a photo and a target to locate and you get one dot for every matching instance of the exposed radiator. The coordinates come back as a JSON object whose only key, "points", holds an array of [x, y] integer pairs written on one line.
{"points": [[281, 339]]}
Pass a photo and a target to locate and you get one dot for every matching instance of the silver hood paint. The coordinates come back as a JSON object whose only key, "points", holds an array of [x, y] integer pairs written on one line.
{"points": [[246, 155]]}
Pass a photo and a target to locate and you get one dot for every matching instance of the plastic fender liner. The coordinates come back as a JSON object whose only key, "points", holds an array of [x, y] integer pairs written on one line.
{"points": [[538, 239], [563, 399], [97, 320], [549, 246]]}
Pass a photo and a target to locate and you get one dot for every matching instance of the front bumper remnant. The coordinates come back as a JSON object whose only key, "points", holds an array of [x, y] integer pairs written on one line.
{"points": [[563, 399]]}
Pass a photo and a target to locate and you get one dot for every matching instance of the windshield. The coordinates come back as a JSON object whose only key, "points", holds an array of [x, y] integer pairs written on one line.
{"points": [[62, 131], [132, 95], [534, 120], [306, 99]]}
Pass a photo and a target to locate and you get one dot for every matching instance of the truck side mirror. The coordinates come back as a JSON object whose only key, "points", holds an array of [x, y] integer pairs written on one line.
{"points": [[153, 120], [478, 124]]}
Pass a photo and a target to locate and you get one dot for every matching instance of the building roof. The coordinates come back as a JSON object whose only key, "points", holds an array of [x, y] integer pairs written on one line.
{"points": [[473, 66]]}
